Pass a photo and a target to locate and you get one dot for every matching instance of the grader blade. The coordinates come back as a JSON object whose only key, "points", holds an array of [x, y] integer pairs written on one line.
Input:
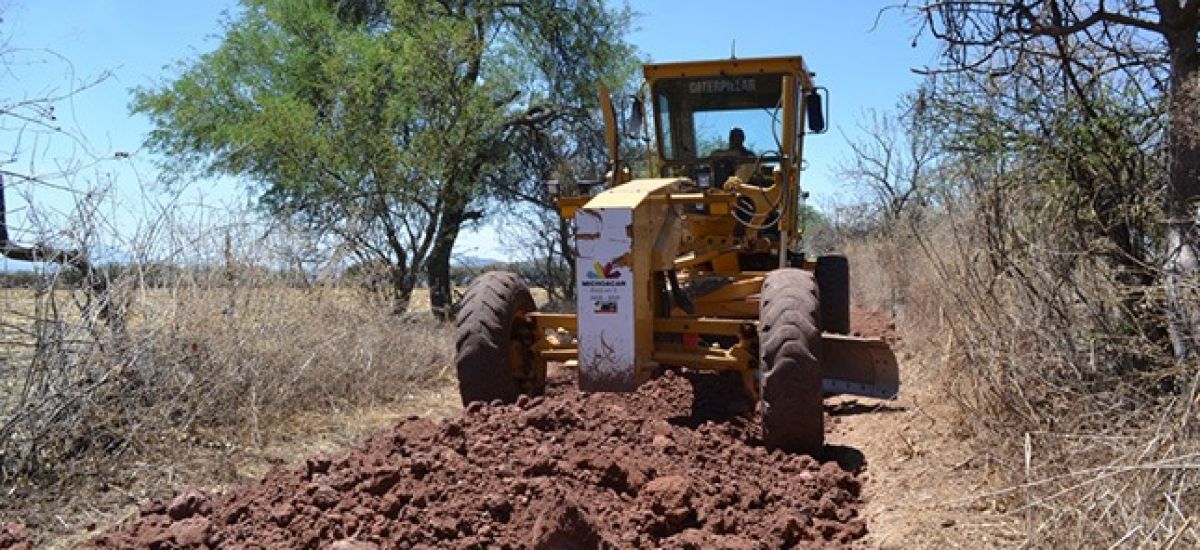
{"points": [[859, 366]]}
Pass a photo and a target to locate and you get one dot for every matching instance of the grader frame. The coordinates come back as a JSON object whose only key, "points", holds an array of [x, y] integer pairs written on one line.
{"points": [[678, 269]]}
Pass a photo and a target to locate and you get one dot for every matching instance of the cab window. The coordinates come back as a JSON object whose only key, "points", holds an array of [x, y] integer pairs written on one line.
{"points": [[695, 115]]}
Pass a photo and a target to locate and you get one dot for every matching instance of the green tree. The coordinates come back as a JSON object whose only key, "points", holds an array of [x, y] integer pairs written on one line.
{"points": [[383, 122]]}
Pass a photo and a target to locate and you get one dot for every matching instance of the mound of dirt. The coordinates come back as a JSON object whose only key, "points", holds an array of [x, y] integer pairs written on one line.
{"points": [[677, 464], [15, 536]]}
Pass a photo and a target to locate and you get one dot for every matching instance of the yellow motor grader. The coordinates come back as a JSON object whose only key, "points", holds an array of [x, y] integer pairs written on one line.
{"points": [[698, 265]]}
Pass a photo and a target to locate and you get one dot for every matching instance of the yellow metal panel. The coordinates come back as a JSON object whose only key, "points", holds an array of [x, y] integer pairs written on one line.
{"points": [[687, 198], [633, 193], [716, 227], [703, 325], [648, 221], [568, 205], [786, 210], [738, 299], [792, 64], [699, 359], [737, 290], [696, 258], [710, 197], [744, 309], [727, 263], [610, 125]]}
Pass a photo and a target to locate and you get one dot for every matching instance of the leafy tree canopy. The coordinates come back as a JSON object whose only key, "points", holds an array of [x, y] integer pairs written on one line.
{"points": [[381, 122]]}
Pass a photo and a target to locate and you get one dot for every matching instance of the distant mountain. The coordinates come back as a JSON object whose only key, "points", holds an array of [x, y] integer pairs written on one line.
{"points": [[100, 255], [13, 266], [473, 261]]}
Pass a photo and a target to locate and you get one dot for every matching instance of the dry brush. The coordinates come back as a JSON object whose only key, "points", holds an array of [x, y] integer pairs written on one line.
{"points": [[1083, 422], [209, 357]]}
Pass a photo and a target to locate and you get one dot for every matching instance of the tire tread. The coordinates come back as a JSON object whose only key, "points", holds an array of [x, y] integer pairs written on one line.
{"points": [[483, 332], [789, 347]]}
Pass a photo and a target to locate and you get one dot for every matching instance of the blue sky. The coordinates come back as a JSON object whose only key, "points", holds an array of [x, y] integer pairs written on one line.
{"points": [[865, 64], [55, 45]]}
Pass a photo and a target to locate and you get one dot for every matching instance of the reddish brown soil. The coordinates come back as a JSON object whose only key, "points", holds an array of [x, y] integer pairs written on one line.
{"points": [[15, 536], [676, 465], [867, 322]]}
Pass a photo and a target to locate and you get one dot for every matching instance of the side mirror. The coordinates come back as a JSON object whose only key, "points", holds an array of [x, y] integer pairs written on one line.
{"points": [[637, 118], [815, 112]]}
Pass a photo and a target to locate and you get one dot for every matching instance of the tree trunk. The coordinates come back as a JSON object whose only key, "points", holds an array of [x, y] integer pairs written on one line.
{"points": [[1183, 190], [403, 281], [441, 286], [566, 241]]}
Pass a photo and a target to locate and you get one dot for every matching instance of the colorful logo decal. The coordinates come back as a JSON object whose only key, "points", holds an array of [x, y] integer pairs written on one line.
{"points": [[605, 307], [606, 271]]}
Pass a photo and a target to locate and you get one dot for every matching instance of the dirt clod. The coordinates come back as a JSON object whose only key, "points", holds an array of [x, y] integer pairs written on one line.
{"points": [[15, 536], [190, 532], [353, 544], [671, 465], [187, 504], [562, 524]]}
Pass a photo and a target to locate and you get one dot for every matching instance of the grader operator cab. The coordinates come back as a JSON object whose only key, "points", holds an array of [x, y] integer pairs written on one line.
{"points": [[698, 265]]}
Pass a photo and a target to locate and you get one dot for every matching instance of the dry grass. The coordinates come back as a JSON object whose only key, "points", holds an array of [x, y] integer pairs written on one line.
{"points": [[1086, 433], [212, 380]]}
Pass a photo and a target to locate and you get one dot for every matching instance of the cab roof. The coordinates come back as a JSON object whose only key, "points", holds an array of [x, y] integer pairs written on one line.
{"points": [[732, 67]]}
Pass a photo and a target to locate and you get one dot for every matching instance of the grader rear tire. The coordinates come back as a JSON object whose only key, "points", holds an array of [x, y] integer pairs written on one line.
{"points": [[493, 341], [789, 351], [833, 281]]}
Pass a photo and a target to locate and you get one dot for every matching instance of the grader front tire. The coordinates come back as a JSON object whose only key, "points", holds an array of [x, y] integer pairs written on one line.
{"points": [[789, 356], [493, 341]]}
